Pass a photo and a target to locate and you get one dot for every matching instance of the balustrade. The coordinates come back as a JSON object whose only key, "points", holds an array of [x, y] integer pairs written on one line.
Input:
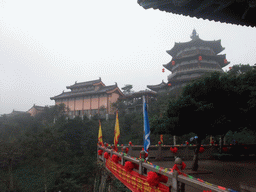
{"points": [[177, 182]]}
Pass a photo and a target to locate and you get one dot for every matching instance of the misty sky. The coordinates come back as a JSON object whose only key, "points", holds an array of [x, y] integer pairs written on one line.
{"points": [[48, 45]]}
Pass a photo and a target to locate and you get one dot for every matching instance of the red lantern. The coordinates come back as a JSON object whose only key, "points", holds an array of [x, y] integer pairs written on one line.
{"points": [[159, 142], [169, 84], [106, 155], [130, 143], [174, 150], [100, 152], [163, 70], [201, 150], [200, 58], [173, 62], [225, 61]]}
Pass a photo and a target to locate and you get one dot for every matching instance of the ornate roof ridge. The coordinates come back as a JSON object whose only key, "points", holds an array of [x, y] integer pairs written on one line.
{"points": [[85, 83]]}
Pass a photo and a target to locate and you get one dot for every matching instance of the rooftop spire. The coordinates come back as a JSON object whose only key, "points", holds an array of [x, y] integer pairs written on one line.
{"points": [[194, 35]]}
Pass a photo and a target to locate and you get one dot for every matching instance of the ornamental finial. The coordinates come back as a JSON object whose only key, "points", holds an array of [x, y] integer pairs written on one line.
{"points": [[194, 35]]}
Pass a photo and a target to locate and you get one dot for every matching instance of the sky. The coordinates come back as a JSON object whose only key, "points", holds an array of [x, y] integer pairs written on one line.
{"points": [[48, 45]]}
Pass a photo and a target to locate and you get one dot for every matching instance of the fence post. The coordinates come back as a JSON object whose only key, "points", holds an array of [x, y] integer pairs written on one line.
{"points": [[175, 187], [159, 155], [111, 152], [97, 152], [140, 167], [130, 150], [187, 151], [122, 159], [142, 155]]}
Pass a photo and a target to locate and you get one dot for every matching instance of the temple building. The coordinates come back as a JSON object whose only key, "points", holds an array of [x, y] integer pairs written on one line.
{"points": [[191, 60], [134, 102], [33, 111], [89, 98]]}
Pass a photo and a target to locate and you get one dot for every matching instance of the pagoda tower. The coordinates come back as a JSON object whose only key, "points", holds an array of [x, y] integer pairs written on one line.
{"points": [[191, 60]]}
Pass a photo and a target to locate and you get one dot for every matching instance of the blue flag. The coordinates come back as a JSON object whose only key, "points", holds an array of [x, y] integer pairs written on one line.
{"points": [[146, 127]]}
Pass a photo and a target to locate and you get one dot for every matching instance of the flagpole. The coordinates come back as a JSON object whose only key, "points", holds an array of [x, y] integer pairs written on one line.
{"points": [[146, 126], [143, 100]]}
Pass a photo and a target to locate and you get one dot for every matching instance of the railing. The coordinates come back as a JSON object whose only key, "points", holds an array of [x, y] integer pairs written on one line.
{"points": [[186, 152], [175, 179], [161, 152]]}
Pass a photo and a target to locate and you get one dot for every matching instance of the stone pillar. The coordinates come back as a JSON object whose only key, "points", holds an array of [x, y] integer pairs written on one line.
{"points": [[174, 187]]}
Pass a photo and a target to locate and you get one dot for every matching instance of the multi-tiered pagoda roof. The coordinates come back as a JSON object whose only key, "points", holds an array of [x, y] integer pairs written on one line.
{"points": [[190, 60]]}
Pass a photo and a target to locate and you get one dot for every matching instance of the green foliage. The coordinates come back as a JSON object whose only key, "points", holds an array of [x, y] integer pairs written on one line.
{"points": [[215, 102], [240, 69], [127, 89]]}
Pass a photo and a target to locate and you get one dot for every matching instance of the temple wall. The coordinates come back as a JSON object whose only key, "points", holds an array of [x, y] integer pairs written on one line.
{"points": [[32, 111], [71, 104], [112, 99], [95, 103], [79, 104], [65, 103], [87, 104], [57, 102], [103, 102]]}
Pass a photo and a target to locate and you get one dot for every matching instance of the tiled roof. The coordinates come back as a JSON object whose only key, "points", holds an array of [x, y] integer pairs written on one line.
{"points": [[104, 89], [239, 12], [218, 58], [39, 108], [83, 84], [215, 45], [159, 86], [139, 94]]}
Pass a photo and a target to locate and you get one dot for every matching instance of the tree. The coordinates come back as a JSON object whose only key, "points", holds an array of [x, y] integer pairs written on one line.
{"points": [[127, 89], [46, 149], [209, 106], [50, 114], [240, 69], [10, 154]]}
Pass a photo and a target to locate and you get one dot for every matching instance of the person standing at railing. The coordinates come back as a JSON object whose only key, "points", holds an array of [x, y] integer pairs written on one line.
{"points": [[179, 165]]}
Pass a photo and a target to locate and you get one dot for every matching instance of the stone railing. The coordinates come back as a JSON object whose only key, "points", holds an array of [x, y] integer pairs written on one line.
{"points": [[163, 151], [176, 182], [186, 152]]}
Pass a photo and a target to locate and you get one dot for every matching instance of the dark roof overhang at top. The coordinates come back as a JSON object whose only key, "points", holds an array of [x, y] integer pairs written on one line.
{"points": [[239, 12], [214, 45]]}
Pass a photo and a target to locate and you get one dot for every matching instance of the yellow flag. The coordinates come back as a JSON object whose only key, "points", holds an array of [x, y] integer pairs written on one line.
{"points": [[100, 134], [117, 132]]}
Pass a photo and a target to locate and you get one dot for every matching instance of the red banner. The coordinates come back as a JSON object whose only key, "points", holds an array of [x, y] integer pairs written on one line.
{"points": [[133, 180]]}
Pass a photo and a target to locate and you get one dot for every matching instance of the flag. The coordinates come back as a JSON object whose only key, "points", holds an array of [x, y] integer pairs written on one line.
{"points": [[100, 134], [146, 127], [117, 132], [161, 139]]}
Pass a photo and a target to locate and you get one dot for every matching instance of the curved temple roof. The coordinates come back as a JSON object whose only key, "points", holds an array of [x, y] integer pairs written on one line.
{"points": [[239, 12], [215, 45]]}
